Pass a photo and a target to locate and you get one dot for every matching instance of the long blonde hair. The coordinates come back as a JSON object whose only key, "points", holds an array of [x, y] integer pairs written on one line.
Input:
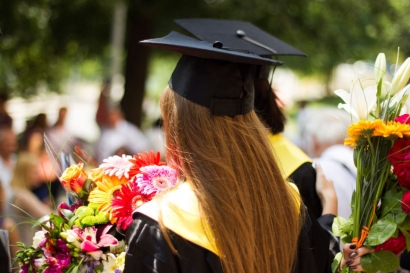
{"points": [[240, 190], [26, 162]]}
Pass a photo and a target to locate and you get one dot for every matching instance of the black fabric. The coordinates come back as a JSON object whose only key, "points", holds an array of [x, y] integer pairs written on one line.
{"points": [[238, 35], [305, 179], [405, 260], [224, 87], [4, 258], [201, 49], [148, 251]]}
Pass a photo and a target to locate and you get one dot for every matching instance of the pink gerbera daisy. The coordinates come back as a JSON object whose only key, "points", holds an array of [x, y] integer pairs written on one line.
{"points": [[126, 201], [118, 166], [153, 179]]}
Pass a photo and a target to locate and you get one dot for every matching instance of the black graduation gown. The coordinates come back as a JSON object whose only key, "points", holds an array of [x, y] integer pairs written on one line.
{"points": [[148, 251], [305, 179]]}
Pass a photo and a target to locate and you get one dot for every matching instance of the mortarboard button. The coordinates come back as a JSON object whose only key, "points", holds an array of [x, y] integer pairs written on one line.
{"points": [[217, 44]]}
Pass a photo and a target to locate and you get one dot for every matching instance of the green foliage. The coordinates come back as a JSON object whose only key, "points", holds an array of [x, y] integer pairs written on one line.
{"points": [[385, 261], [44, 41], [88, 216], [336, 262], [343, 228], [380, 232]]}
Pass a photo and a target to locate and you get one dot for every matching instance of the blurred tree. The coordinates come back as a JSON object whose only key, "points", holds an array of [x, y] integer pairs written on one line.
{"points": [[43, 38]]}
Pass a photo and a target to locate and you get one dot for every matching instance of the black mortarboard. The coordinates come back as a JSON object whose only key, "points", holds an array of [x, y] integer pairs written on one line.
{"points": [[211, 75], [238, 35]]}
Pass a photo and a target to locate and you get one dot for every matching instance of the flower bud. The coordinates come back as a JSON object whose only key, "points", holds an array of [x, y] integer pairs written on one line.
{"points": [[380, 67], [401, 77]]}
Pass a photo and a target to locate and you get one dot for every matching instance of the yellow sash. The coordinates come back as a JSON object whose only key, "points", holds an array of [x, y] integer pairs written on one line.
{"points": [[180, 213], [288, 156]]}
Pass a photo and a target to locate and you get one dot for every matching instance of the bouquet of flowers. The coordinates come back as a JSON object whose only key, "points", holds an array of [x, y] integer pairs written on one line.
{"points": [[381, 139], [87, 235]]}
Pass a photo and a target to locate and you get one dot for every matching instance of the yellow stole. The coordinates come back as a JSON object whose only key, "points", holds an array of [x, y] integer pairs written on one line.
{"points": [[288, 156], [180, 213]]}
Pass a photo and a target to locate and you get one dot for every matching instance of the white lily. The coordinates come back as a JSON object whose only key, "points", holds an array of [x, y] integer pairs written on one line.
{"points": [[399, 95], [358, 102], [380, 67], [401, 77]]}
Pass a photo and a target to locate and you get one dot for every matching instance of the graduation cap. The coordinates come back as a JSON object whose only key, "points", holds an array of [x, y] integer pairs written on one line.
{"points": [[238, 35], [212, 75]]}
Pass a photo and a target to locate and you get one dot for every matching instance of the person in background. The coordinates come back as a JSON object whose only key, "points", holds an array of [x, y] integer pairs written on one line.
{"points": [[8, 147], [27, 206], [7, 223], [119, 133], [326, 130], [61, 141], [32, 141], [59, 136]]}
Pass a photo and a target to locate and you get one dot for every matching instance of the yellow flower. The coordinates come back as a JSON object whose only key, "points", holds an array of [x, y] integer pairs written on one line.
{"points": [[103, 193], [350, 141], [362, 130], [393, 129], [96, 174], [73, 177]]}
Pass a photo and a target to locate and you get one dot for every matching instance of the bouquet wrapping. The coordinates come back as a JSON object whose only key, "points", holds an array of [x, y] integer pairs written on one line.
{"points": [[380, 136], [87, 235]]}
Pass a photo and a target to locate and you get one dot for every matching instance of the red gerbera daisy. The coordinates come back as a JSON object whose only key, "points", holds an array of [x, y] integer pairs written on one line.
{"points": [[126, 201], [142, 160]]}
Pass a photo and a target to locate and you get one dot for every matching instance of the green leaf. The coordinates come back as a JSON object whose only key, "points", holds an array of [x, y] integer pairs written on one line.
{"points": [[58, 220], [391, 200], [406, 223], [41, 221], [346, 238], [67, 213], [407, 235], [380, 232], [336, 262], [384, 260], [347, 227], [338, 223], [396, 217]]}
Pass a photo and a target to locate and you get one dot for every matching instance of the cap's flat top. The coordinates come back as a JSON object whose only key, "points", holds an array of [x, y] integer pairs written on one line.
{"points": [[201, 49], [225, 31]]}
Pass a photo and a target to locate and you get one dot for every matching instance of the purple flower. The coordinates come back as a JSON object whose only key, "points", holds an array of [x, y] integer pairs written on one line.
{"points": [[24, 268], [62, 246], [53, 266], [153, 179], [63, 259]]}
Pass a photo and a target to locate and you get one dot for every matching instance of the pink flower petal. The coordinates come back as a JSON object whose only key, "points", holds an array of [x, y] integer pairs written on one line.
{"points": [[107, 240], [87, 246]]}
